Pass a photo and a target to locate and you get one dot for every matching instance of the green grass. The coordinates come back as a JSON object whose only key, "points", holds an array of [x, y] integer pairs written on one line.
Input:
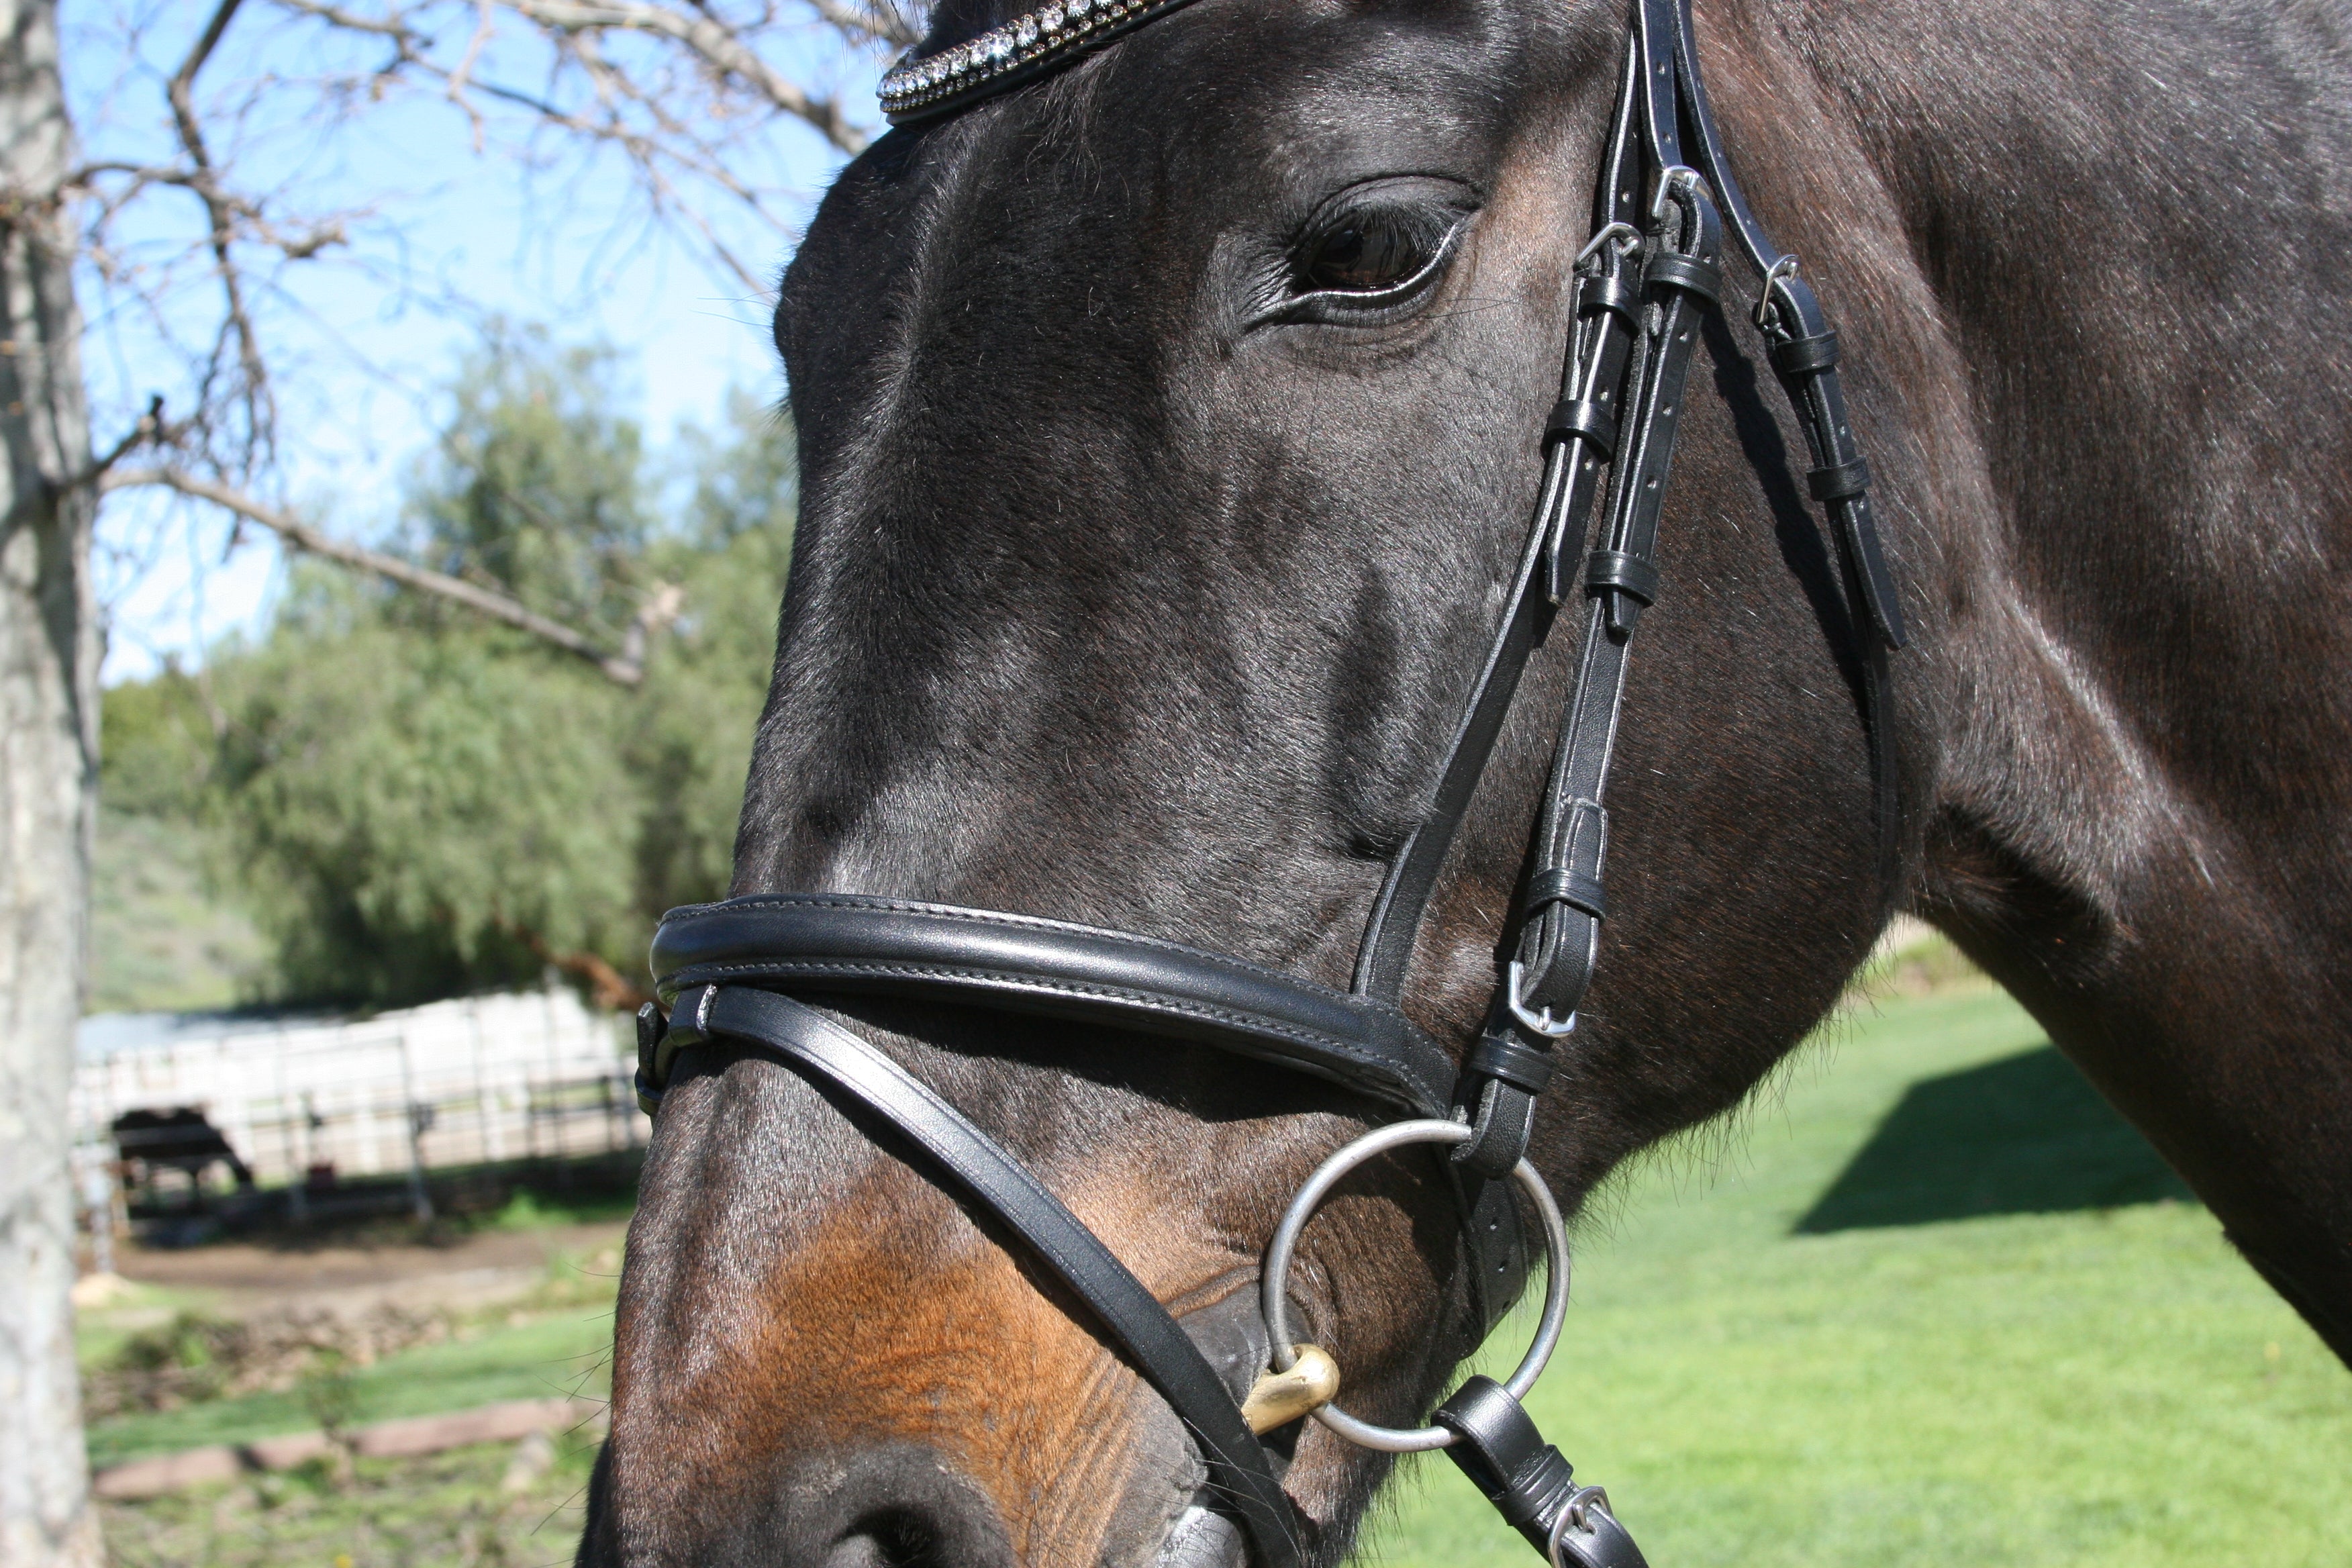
{"points": [[1929, 1303], [101, 1332], [447, 1511], [539, 1208], [564, 1352]]}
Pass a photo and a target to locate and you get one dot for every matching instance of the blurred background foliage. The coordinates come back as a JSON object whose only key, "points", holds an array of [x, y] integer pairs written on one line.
{"points": [[387, 799]]}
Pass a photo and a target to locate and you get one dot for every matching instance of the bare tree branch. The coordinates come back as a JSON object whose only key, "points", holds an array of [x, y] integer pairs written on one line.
{"points": [[302, 536], [150, 428], [691, 94], [716, 44], [879, 20], [720, 47], [182, 93]]}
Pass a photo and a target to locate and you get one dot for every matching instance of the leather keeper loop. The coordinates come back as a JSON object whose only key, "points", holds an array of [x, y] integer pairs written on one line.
{"points": [[1590, 422], [1609, 292], [1839, 480], [1687, 273], [1521, 1067], [652, 1026], [1615, 570], [1561, 886], [1506, 1458], [1806, 356]]}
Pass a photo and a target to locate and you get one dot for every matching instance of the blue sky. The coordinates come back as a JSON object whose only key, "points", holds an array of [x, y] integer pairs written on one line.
{"points": [[361, 340]]}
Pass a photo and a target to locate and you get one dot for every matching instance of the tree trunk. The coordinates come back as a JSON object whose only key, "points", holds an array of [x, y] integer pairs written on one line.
{"points": [[48, 780]]}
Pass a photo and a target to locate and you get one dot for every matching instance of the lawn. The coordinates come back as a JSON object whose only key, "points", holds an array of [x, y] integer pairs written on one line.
{"points": [[473, 1508], [557, 1339], [562, 1353], [1931, 1303]]}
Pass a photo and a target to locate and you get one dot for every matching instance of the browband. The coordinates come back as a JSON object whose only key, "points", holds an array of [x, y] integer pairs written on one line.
{"points": [[922, 86]]}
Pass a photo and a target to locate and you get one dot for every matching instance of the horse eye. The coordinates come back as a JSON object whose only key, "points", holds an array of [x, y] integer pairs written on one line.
{"points": [[1366, 253]]}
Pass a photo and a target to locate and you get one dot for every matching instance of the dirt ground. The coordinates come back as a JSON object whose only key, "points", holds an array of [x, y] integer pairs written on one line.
{"points": [[480, 1269]]}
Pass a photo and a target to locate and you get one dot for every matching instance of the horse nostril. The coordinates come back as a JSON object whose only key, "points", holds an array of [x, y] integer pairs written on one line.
{"points": [[898, 1505], [893, 1539]]}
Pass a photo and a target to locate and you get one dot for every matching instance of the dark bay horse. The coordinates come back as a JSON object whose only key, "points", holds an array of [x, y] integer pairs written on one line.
{"points": [[1151, 537]]}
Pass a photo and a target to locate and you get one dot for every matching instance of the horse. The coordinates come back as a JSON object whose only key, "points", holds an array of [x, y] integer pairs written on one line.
{"points": [[180, 1137], [1168, 424]]}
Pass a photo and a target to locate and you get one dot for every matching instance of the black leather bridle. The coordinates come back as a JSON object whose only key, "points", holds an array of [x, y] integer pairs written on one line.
{"points": [[727, 971]]}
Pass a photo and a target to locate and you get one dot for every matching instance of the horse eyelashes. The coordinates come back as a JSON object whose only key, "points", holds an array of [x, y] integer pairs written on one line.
{"points": [[1364, 256], [1371, 252]]}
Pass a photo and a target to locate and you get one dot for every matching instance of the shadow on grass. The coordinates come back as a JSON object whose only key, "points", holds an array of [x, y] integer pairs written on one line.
{"points": [[2022, 1135]]}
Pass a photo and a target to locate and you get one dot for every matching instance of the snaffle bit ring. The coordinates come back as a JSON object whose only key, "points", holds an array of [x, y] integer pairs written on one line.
{"points": [[1275, 1278]]}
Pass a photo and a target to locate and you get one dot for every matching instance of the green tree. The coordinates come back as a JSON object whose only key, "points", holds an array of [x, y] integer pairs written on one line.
{"points": [[705, 684], [415, 801], [537, 487]]}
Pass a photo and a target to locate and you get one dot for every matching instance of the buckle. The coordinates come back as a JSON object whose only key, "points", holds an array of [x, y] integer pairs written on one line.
{"points": [[1534, 1022]]}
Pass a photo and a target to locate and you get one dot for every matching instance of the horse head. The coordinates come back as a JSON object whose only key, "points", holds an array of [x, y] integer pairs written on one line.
{"points": [[1169, 430]]}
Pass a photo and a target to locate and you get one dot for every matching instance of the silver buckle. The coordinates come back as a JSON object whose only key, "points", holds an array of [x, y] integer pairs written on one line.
{"points": [[1766, 307], [1671, 179], [1534, 1022], [1627, 238]]}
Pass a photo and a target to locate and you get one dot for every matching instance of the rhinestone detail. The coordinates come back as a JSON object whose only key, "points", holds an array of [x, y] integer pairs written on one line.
{"points": [[918, 88]]}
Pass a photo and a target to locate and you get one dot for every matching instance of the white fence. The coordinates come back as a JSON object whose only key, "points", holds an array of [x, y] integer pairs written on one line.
{"points": [[488, 1078]]}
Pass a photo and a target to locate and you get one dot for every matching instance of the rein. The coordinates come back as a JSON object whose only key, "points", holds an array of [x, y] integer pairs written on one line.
{"points": [[1642, 286]]}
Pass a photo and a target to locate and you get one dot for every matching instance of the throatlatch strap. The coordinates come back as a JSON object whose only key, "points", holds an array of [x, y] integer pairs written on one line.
{"points": [[817, 1049], [1804, 354]]}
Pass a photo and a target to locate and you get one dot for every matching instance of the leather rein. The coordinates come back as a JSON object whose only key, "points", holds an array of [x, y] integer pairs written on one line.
{"points": [[728, 971]]}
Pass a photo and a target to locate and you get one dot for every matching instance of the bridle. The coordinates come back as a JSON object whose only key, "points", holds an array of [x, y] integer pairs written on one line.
{"points": [[1643, 284]]}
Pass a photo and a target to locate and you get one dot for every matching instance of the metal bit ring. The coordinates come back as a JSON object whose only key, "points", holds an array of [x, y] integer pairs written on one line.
{"points": [[1275, 1278]]}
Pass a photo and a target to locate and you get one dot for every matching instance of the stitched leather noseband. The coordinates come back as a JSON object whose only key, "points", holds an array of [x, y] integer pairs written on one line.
{"points": [[727, 971]]}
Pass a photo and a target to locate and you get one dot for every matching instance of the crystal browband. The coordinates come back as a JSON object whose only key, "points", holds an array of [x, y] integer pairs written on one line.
{"points": [[917, 89]]}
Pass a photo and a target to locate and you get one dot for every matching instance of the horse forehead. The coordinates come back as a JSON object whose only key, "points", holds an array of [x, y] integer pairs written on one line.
{"points": [[1103, 188]]}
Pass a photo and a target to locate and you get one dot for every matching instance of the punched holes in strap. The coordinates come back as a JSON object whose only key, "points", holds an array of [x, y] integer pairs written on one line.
{"points": [[1838, 480]]}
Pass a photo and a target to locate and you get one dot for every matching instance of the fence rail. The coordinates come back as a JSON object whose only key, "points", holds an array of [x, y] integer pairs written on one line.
{"points": [[482, 1080]]}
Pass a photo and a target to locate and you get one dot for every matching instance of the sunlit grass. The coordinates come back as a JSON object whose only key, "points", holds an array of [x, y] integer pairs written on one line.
{"points": [[1762, 1378], [451, 1511], [557, 1341], [2106, 1386]]}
